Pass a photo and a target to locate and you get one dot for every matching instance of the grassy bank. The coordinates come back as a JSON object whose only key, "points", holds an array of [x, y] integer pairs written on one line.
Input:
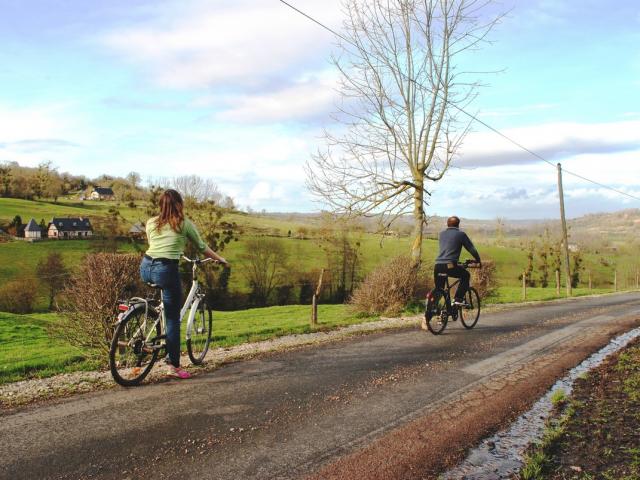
{"points": [[28, 350]]}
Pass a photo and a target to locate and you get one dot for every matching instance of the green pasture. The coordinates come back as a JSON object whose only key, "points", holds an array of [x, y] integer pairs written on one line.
{"points": [[514, 294], [27, 350]]}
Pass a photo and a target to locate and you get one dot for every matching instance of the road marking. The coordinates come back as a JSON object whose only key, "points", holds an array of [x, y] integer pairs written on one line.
{"points": [[521, 352]]}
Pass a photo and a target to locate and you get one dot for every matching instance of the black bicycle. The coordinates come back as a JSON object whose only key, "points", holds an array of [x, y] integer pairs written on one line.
{"points": [[439, 307]]}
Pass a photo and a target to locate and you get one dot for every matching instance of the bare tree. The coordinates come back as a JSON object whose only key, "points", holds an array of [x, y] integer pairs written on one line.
{"points": [[401, 112], [196, 189]]}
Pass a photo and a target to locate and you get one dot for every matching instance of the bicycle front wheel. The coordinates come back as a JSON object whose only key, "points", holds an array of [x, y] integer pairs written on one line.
{"points": [[470, 311], [134, 348], [200, 335], [437, 313]]}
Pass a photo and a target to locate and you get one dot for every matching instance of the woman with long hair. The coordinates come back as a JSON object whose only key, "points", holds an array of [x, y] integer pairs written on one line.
{"points": [[167, 234]]}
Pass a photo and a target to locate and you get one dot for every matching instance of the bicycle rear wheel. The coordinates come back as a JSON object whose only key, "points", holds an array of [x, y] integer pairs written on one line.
{"points": [[470, 311], [131, 356], [436, 313], [200, 338]]}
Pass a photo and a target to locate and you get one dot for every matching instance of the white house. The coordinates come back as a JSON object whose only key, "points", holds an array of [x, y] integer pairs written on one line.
{"points": [[102, 193], [70, 228]]}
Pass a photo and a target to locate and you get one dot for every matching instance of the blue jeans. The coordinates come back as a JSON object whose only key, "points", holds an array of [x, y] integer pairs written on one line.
{"points": [[165, 275]]}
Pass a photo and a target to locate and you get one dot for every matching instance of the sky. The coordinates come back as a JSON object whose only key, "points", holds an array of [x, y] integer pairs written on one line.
{"points": [[241, 90]]}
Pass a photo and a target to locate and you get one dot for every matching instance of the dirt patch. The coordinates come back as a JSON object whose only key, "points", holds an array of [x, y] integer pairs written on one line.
{"points": [[601, 437], [426, 447]]}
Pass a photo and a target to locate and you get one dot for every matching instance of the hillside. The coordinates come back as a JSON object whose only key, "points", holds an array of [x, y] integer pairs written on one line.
{"points": [[604, 248]]}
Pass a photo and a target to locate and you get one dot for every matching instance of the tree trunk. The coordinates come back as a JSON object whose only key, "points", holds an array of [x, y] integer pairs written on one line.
{"points": [[418, 220]]}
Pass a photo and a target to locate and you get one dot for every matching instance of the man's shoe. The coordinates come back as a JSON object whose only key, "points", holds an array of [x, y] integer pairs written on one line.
{"points": [[458, 303]]}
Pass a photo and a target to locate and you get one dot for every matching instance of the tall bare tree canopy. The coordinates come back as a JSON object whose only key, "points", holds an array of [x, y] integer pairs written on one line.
{"points": [[402, 92]]}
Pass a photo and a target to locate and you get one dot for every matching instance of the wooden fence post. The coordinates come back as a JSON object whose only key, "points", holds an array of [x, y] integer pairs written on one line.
{"points": [[590, 284], [524, 285], [615, 280], [314, 300], [637, 279], [558, 283]]}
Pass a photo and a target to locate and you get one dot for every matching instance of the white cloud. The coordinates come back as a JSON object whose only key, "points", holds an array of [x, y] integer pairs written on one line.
{"points": [[553, 141], [246, 42], [301, 101]]}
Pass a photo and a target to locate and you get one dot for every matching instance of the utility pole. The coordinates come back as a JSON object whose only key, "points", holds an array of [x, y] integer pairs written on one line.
{"points": [[564, 232]]}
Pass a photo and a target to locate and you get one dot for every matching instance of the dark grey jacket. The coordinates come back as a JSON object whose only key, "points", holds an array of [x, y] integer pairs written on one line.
{"points": [[451, 242]]}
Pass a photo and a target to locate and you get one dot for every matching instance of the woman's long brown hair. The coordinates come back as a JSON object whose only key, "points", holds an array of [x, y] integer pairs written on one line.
{"points": [[171, 211]]}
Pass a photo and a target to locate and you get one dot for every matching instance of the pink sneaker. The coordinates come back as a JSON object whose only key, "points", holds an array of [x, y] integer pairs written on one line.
{"points": [[177, 372]]}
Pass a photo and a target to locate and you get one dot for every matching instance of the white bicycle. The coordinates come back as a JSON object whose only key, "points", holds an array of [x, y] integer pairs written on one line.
{"points": [[139, 335]]}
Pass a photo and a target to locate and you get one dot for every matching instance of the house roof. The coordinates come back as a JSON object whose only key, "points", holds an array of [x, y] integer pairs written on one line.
{"points": [[71, 224], [32, 226], [103, 190]]}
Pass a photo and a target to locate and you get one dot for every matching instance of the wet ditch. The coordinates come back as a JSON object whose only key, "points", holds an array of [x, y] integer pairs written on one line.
{"points": [[501, 456]]}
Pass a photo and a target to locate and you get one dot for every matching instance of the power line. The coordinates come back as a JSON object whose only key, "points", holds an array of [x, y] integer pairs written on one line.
{"points": [[460, 109]]}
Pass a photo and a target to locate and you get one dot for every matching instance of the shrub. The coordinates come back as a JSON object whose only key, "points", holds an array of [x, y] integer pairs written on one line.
{"points": [[424, 284], [18, 296], [387, 289], [90, 299], [484, 279]]}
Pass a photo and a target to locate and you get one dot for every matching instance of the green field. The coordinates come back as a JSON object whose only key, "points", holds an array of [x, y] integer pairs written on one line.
{"points": [[514, 294], [27, 349]]}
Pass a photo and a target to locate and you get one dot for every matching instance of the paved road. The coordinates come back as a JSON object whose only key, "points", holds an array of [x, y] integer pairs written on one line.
{"points": [[286, 415]]}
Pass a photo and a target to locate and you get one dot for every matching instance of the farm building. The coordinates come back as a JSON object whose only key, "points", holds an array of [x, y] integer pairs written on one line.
{"points": [[70, 227], [32, 230], [102, 193]]}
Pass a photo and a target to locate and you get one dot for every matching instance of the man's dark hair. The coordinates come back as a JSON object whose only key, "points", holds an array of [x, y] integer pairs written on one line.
{"points": [[453, 222]]}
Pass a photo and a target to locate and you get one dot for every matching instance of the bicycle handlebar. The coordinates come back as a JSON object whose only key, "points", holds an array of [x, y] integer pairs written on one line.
{"points": [[471, 264], [198, 261]]}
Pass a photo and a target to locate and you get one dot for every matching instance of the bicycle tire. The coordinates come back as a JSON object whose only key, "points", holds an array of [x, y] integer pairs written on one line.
{"points": [[129, 362], [436, 312], [198, 344], [470, 312]]}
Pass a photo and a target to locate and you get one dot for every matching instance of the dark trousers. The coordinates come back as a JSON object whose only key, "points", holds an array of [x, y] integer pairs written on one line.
{"points": [[455, 271], [167, 276]]}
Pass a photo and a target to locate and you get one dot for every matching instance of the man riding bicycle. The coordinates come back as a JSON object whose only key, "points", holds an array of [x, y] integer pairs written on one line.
{"points": [[451, 242]]}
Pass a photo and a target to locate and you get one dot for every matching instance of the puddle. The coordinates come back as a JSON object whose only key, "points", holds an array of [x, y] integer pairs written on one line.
{"points": [[502, 455]]}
